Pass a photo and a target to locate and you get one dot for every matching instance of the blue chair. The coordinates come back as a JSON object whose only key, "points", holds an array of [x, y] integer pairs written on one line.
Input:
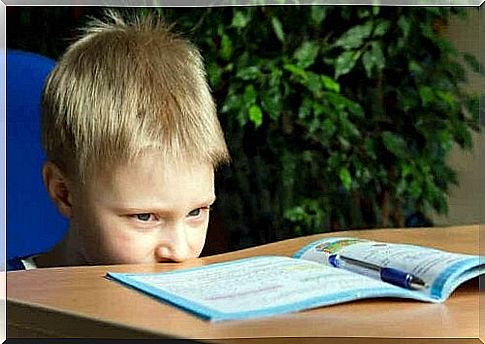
{"points": [[33, 223]]}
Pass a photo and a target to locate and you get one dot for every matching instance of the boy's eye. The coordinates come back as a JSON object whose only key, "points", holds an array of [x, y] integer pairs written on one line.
{"points": [[143, 217], [195, 212]]}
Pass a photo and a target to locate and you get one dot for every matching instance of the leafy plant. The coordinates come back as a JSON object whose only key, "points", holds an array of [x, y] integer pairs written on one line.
{"points": [[337, 117]]}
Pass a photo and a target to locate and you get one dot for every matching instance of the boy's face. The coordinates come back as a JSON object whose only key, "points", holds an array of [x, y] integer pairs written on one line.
{"points": [[145, 212]]}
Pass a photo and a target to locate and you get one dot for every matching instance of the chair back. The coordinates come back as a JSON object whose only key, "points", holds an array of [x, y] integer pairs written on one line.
{"points": [[33, 223]]}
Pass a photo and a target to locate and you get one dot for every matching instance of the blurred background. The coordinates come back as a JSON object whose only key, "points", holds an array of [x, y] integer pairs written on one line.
{"points": [[336, 117]]}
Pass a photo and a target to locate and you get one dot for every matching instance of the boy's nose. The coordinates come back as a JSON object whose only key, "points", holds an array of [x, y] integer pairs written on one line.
{"points": [[174, 247]]}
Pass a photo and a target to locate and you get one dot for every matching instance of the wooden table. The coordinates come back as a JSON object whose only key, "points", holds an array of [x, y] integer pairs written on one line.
{"points": [[80, 302]]}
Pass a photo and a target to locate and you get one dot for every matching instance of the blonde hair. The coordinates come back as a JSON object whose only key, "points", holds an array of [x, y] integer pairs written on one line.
{"points": [[125, 87]]}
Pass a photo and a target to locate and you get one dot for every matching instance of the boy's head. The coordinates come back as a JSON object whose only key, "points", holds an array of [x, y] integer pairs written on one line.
{"points": [[132, 138]]}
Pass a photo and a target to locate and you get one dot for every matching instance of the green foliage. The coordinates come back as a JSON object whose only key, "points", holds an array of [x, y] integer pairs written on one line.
{"points": [[335, 116]]}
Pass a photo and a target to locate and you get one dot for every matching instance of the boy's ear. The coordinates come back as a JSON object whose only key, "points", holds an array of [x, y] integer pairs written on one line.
{"points": [[58, 188]]}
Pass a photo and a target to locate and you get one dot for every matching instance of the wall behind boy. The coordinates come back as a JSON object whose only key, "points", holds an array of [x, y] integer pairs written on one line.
{"points": [[466, 200]]}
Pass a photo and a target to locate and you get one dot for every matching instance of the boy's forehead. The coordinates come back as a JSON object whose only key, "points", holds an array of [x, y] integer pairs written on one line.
{"points": [[150, 177], [151, 163]]}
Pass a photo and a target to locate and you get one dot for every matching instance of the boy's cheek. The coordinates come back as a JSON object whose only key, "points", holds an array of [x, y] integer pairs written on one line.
{"points": [[198, 243], [126, 247], [105, 242]]}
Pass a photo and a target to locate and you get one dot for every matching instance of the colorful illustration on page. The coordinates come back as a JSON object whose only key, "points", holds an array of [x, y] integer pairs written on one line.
{"points": [[335, 246]]}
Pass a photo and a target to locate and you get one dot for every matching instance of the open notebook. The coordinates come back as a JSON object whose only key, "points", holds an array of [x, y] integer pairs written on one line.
{"points": [[271, 285]]}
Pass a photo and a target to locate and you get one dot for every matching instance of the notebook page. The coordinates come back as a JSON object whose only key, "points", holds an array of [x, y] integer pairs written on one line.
{"points": [[258, 286]]}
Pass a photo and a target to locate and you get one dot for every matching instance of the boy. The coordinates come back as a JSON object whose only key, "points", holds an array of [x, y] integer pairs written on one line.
{"points": [[132, 139]]}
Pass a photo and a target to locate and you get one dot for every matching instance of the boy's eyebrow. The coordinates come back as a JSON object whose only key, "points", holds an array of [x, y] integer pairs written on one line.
{"points": [[161, 208]]}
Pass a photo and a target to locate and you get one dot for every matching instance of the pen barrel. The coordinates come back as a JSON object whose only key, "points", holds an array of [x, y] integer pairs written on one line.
{"points": [[396, 277], [336, 261]]}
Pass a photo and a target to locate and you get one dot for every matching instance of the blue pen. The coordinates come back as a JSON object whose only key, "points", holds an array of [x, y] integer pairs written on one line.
{"points": [[389, 275]]}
